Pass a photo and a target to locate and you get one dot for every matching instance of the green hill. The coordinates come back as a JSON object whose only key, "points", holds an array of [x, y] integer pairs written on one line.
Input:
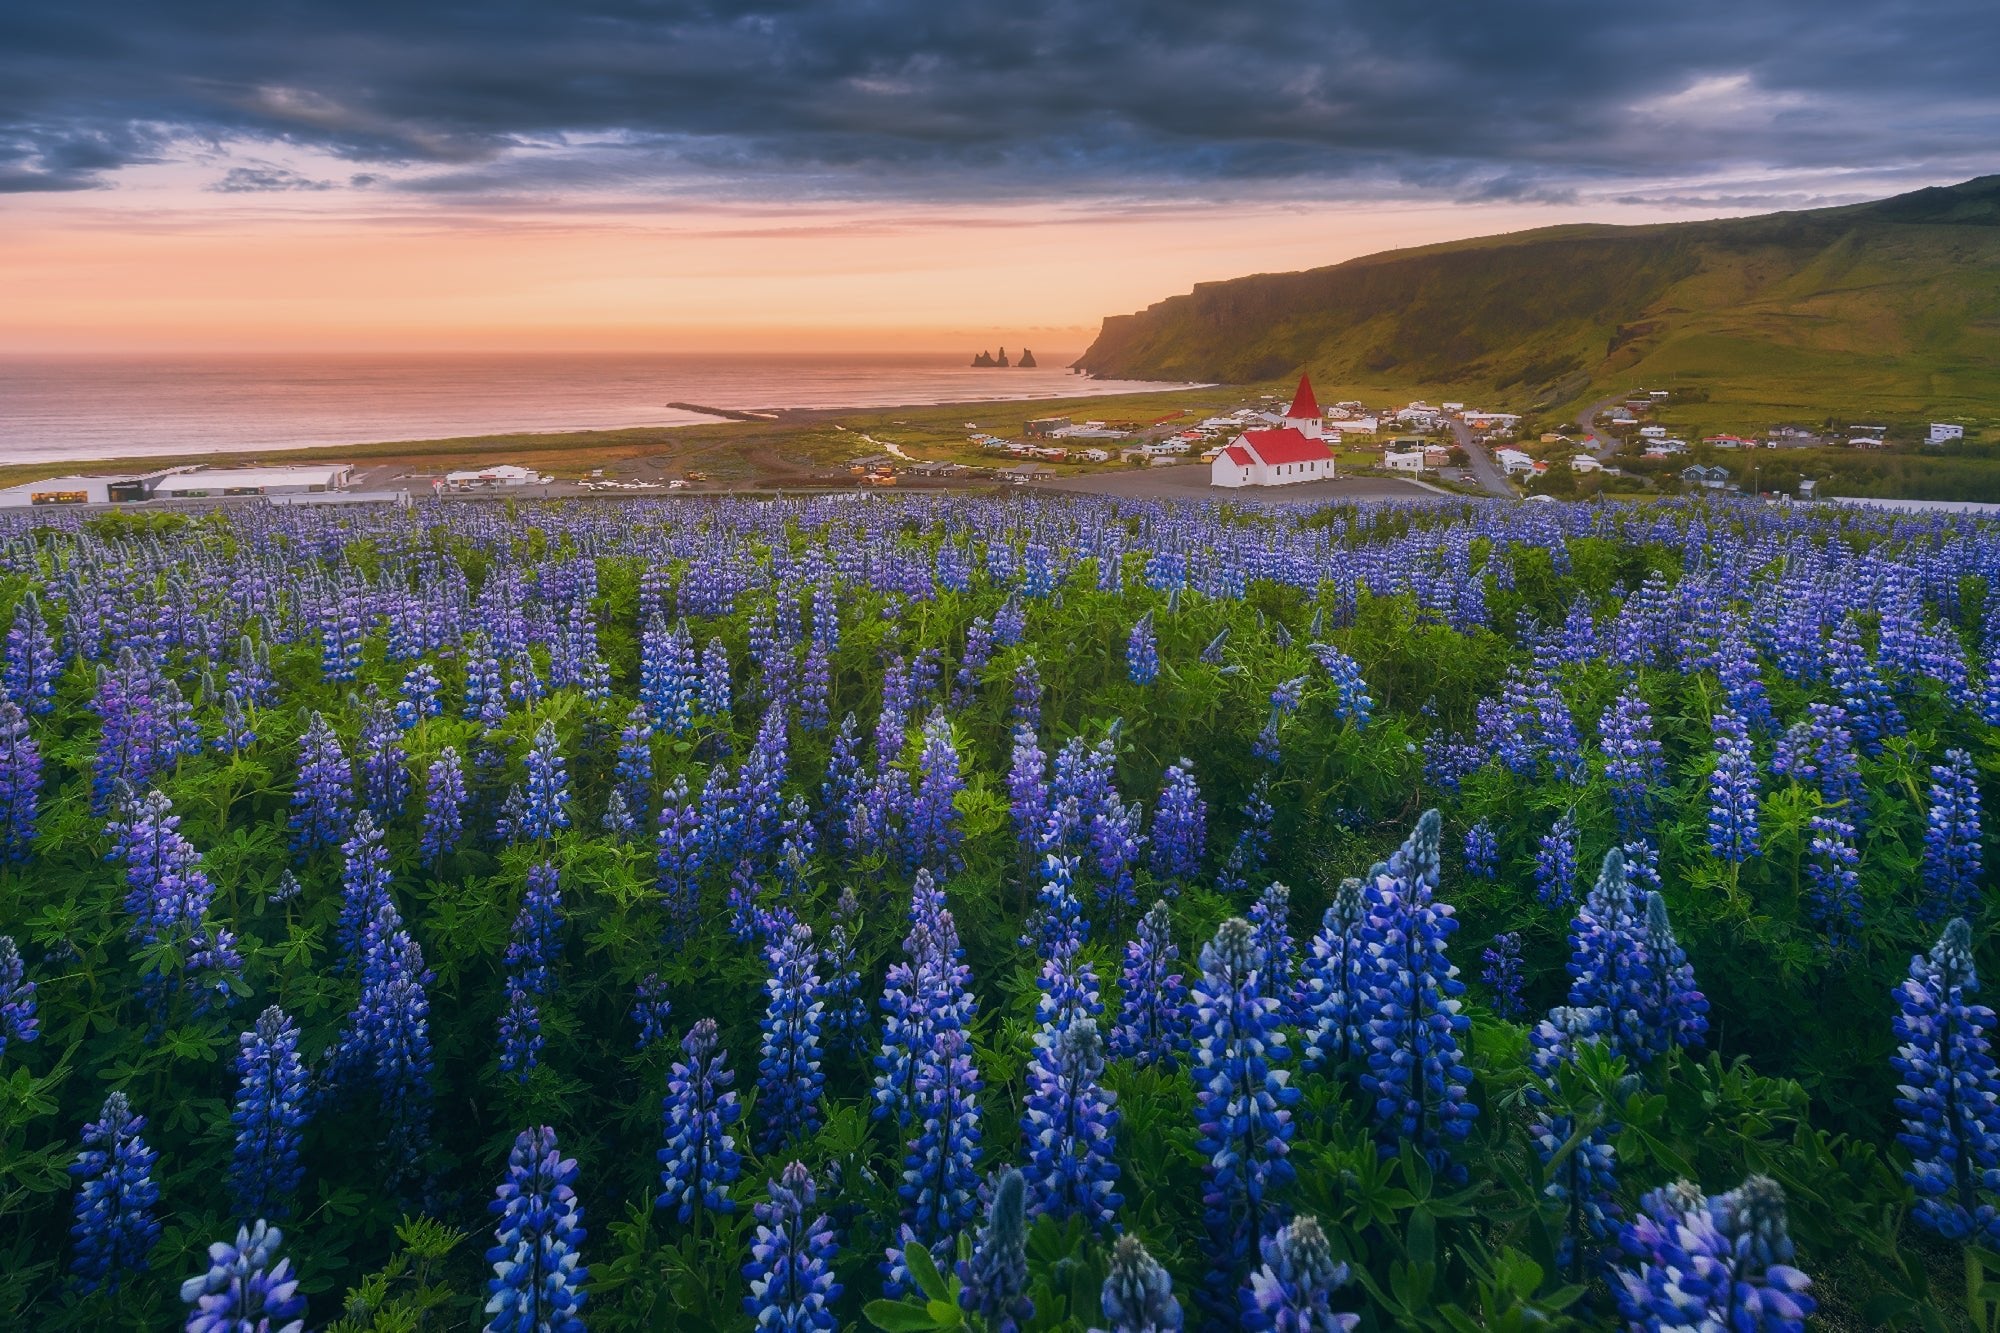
{"points": [[1889, 308]]}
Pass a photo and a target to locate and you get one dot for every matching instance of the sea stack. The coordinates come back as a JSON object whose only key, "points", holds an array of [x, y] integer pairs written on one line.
{"points": [[1027, 361]]}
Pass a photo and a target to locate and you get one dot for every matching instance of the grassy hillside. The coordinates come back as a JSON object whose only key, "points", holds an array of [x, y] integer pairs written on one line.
{"points": [[1883, 309]]}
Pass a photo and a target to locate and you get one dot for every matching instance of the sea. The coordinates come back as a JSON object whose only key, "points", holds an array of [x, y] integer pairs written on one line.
{"points": [[55, 409]]}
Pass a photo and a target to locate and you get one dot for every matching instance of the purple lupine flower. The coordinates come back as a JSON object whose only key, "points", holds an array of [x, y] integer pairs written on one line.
{"points": [[1293, 1291], [385, 779], [1350, 692], [790, 1272], [1253, 844], [1502, 976], [714, 700], [444, 806], [20, 783], [364, 883], [385, 1045], [1241, 1098], [270, 1112], [420, 693], [1332, 1004], [1180, 826], [1142, 652], [1115, 844], [1583, 1189], [324, 797], [700, 1163], [1415, 1072], [532, 954], [788, 1072], [1138, 1294], [1285, 699], [29, 667], [1732, 790], [995, 1278], [1153, 1019], [932, 833], [1271, 925], [846, 1007], [1675, 1007], [1555, 863], [1028, 790], [843, 793], [1721, 1262], [1949, 1097], [115, 1228], [650, 1010], [1025, 709], [547, 794], [1952, 836], [1482, 851], [237, 734], [678, 853], [18, 1022], [1871, 710], [1833, 870], [537, 1284], [1069, 1125], [1632, 762], [1639, 981], [248, 1288], [633, 772]]}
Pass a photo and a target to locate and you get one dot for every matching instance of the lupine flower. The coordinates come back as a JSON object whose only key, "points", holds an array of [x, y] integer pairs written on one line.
{"points": [[1153, 1021], [1025, 708], [1271, 924], [537, 1284], [324, 796], [18, 1023], [364, 883], [1142, 652], [633, 772], [715, 697], [1723, 1262], [1833, 870], [940, 1161], [20, 783], [29, 666], [650, 1009], [1632, 762], [385, 782], [788, 1073], [547, 793], [1028, 789], [1115, 844], [1069, 1126], [420, 690], [1415, 1072], [1350, 692], [1284, 702], [1241, 1100], [1331, 999], [1293, 1291], [791, 1260], [1732, 790], [1253, 844], [444, 806], [1676, 1008], [699, 1162], [1555, 863], [932, 833], [679, 857], [236, 734], [385, 1044], [995, 1279], [1949, 1097], [1180, 825], [1583, 1191], [248, 1288], [1138, 1294], [270, 1112], [115, 1228], [1952, 852], [1871, 711], [846, 1007], [1625, 963], [532, 954], [1482, 851], [1502, 976]]}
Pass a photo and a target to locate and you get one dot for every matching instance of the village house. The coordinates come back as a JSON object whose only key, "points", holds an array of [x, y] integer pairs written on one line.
{"points": [[1513, 462], [1408, 460], [1709, 478], [1291, 452], [1652, 432], [1585, 463], [1944, 433]]}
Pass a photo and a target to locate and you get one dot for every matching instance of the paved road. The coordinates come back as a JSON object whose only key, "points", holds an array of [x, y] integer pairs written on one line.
{"points": [[1484, 470], [1586, 421]]}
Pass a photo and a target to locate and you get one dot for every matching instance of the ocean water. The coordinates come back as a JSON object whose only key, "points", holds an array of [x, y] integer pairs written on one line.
{"points": [[61, 408]]}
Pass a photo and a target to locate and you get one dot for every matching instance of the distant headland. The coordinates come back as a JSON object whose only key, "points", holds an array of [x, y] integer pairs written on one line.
{"points": [[986, 360]]}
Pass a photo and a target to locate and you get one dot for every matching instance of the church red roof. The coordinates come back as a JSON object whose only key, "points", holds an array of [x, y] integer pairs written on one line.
{"points": [[1305, 407], [1240, 456], [1286, 445]]}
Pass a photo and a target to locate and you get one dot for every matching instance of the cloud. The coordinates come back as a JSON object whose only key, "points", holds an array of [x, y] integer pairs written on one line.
{"points": [[257, 179], [1015, 99]]}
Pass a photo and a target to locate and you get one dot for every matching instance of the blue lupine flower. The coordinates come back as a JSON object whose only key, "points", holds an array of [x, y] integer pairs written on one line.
{"points": [[1142, 652], [1293, 1291], [994, 1281], [1153, 1019], [18, 1023], [788, 1072], [1253, 844], [940, 1161], [846, 1007], [1350, 692], [1415, 1072], [1833, 871], [1271, 928], [699, 1162], [1871, 710], [444, 806], [1732, 790], [29, 667], [1502, 976], [1555, 863], [324, 796], [650, 1009], [115, 1228], [420, 690], [1949, 1096], [791, 1260], [364, 883], [633, 771], [270, 1112], [538, 1282], [1720, 1263], [1028, 789], [1676, 1008], [248, 1288], [1611, 972], [1953, 884], [1241, 1100], [679, 855], [932, 833], [1180, 825], [532, 954], [385, 779], [385, 1044], [548, 788], [1583, 1191], [1138, 1294], [1025, 706], [1115, 844], [1482, 851], [20, 783], [715, 695], [1070, 1126], [1632, 762], [1332, 1000]]}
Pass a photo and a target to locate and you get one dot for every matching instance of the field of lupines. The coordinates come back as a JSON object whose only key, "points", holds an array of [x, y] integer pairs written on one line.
{"points": [[1020, 914]]}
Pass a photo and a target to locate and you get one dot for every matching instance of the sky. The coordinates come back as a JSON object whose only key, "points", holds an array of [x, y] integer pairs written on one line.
{"points": [[896, 174]]}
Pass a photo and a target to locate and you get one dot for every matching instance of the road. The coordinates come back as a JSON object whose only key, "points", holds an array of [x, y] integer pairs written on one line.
{"points": [[1586, 421], [1484, 470]]}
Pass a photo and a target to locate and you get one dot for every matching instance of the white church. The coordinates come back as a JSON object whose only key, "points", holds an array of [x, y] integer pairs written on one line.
{"points": [[1290, 452]]}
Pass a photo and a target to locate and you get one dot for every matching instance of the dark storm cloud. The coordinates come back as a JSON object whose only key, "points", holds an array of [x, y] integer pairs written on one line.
{"points": [[1009, 98]]}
